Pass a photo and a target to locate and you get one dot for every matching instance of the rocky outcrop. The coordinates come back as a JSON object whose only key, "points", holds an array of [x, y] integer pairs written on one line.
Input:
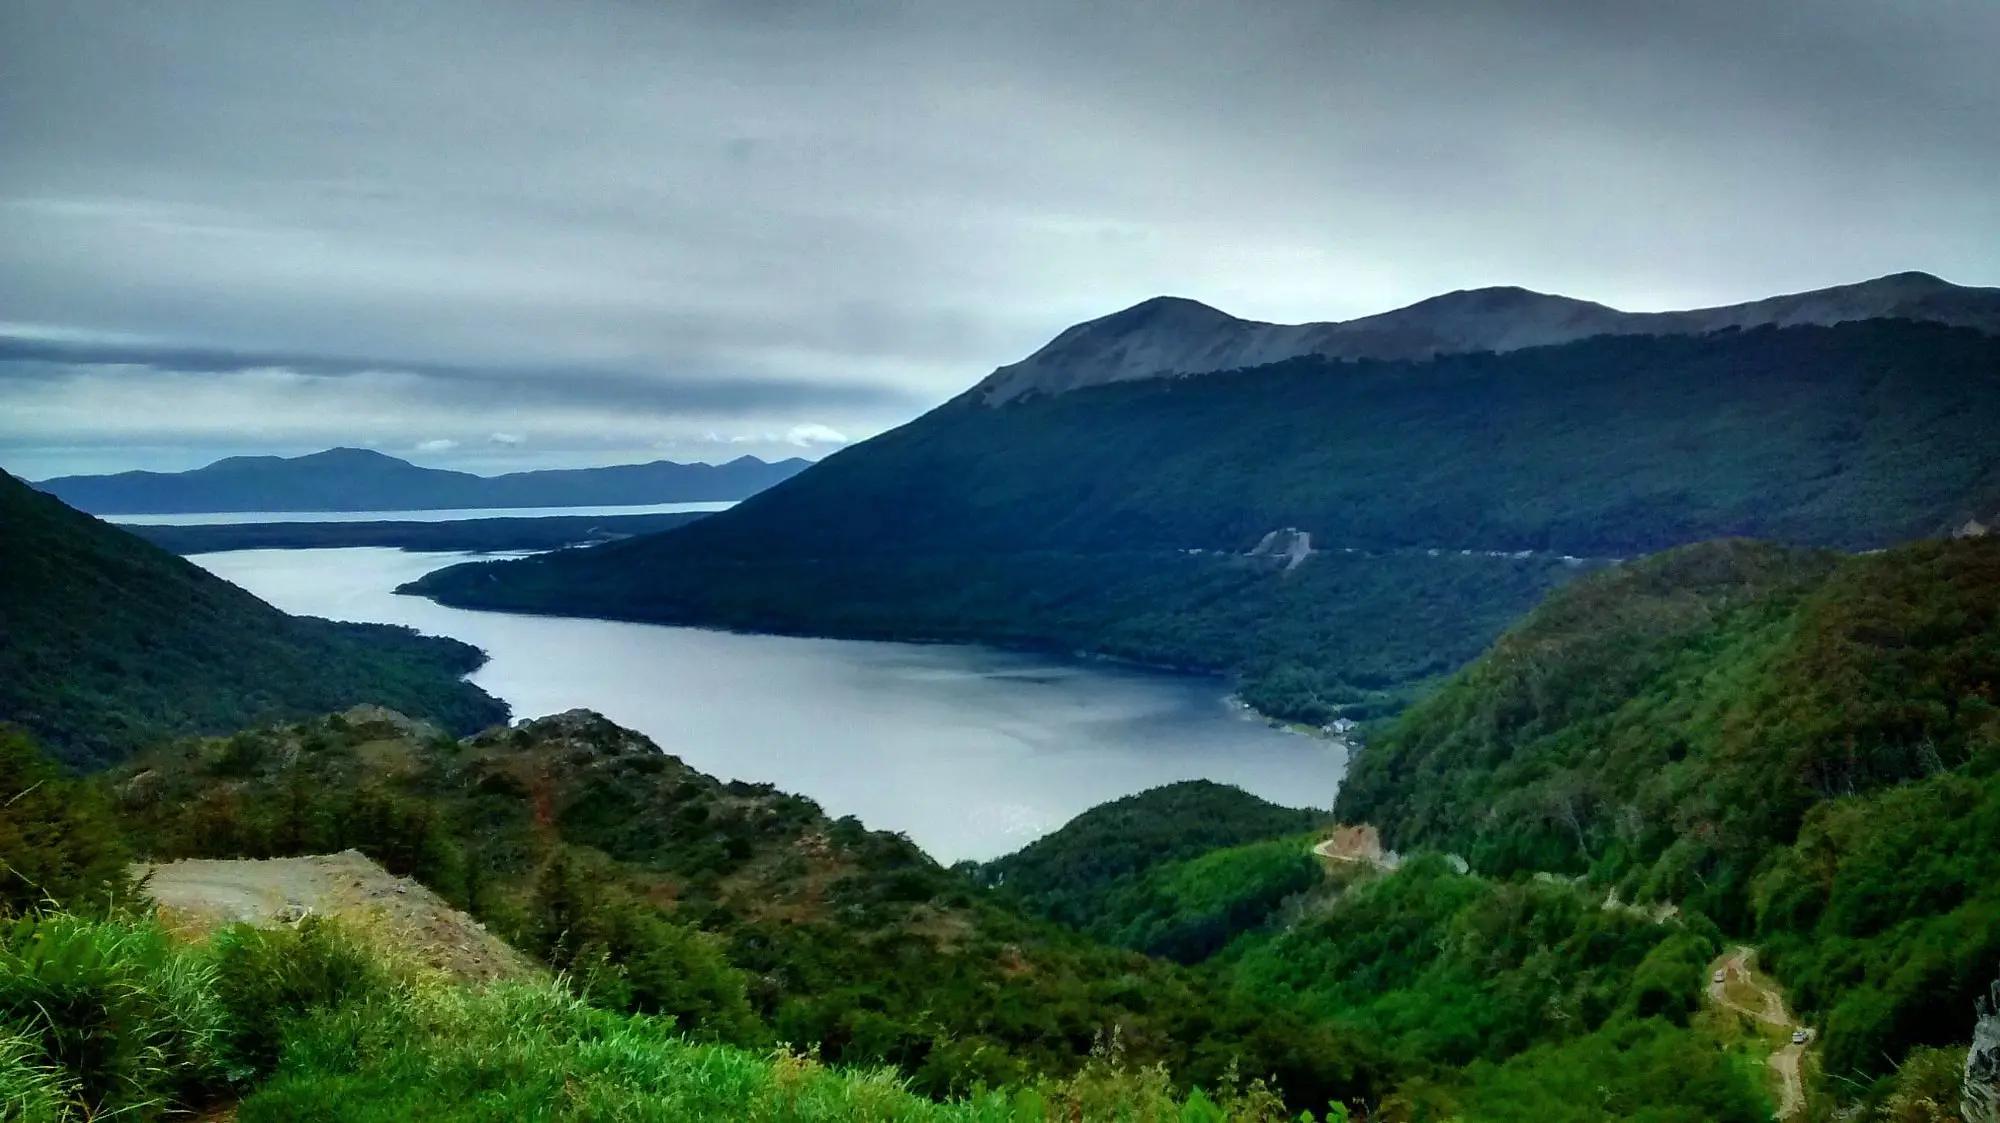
{"points": [[1980, 1093], [1289, 547], [1168, 337]]}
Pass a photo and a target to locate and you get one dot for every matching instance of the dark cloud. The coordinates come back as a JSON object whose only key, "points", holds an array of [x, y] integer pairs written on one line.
{"points": [[59, 359], [740, 219]]}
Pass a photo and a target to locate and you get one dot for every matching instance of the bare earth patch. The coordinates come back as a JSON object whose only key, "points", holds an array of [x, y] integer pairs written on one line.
{"points": [[198, 896]]}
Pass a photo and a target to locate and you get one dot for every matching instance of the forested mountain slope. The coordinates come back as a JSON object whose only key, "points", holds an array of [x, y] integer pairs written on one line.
{"points": [[1067, 521], [1802, 746], [108, 643]]}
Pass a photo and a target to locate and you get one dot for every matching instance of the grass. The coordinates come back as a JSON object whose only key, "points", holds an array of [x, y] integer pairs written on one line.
{"points": [[112, 1019], [532, 1051]]}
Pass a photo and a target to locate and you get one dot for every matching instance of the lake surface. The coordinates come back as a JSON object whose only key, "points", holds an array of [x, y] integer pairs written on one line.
{"points": [[441, 515], [971, 752]]}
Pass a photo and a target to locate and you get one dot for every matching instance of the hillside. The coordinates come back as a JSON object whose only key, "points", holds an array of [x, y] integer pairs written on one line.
{"points": [[108, 643], [742, 911], [1069, 874], [1073, 522], [1803, 747], [354, 479]]}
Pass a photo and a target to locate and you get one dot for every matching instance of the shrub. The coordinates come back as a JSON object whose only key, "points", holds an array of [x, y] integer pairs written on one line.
{"points": [[112, 1011], [266, 977]]}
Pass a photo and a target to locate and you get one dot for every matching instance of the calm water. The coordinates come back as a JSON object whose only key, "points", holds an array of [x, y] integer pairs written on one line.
{"points": [[971, 752], [213, 518]]}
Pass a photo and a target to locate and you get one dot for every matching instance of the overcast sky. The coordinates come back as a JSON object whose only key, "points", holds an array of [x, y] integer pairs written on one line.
{"points": [[489, 235]]}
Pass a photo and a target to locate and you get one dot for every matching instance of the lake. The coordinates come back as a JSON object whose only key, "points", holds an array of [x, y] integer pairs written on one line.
{"points": [[436, 515], [972, 752]]}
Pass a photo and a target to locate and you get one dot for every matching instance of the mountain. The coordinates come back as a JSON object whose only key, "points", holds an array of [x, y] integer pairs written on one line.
{"points": [[1436, 500], [1171, 336], [1803, 747], [354, 479], [108, 643]]}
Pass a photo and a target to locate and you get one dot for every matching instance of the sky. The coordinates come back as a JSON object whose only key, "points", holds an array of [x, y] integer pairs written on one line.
{"points": [[494, 235]]}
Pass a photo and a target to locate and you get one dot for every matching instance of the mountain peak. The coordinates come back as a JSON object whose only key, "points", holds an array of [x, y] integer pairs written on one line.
{"points": [[343, 454], [1173, 337]]}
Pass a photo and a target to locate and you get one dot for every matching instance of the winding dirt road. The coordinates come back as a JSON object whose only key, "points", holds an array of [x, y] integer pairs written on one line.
{"points": [[1762, 1003]]}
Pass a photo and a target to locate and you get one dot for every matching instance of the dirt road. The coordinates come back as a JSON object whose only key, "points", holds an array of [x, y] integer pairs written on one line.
{"points": [[1741, 990], [197, 897]]}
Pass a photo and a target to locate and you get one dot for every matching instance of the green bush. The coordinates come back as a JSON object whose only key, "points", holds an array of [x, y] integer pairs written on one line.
{"points": [[266, 977], [114, 1013], [59, 844]]}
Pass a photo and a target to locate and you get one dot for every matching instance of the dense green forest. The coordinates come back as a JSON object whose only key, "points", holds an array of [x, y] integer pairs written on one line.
{"points": [[1067, 522], [1165, 871], [1803, 747], [108, 643]]}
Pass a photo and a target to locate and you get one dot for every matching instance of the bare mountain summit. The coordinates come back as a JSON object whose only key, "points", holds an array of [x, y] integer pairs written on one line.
{"points": [[1169, 337]]}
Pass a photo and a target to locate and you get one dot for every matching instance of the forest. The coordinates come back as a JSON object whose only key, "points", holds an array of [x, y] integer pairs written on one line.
{"points": [[109, 644], [1113, 520]]}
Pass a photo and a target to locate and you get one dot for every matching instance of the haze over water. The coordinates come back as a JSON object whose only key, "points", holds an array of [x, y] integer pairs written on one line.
{"points": [[971, 752]]}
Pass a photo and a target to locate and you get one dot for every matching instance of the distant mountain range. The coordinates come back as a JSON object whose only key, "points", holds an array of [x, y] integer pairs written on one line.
{"points": [[355, 479], [1171, 336], [1073, 503]]}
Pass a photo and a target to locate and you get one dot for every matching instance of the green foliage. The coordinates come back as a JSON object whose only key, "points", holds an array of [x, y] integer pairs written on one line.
{"points": [[1450, 968], [628, 956], [1068, 874], [266, 977], [526, 1052], [1885, 914], [1066, 522], [109, 644], [1645, 1071], [584, 844], [1798, 745], [1188, 910], [59, 844], [30, 1091], [115, 1017], [1924, 1089]]}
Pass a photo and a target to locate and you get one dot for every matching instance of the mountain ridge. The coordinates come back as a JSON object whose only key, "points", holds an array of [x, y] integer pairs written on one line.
{"points": [[109, 644], [359, 479], [1169, 336]]}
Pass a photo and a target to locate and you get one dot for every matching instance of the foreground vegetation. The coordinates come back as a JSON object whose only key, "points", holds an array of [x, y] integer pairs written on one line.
{"points": [[112, 1018], [741, 911], [108, 644]]}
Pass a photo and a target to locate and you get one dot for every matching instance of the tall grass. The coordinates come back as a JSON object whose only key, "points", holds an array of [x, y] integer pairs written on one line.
{"points": [[107, 1017], [112, 1020], [536, 1052], [30, 1092]]}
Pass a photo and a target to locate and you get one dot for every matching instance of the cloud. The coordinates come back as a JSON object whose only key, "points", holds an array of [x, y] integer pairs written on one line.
{"points": [[662, 219], [805, 436], [505, 439], [437, 444]]}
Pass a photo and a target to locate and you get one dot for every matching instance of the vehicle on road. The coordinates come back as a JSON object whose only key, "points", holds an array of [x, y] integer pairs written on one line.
{"points": [[1721, 975], [1800, 1036]]}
